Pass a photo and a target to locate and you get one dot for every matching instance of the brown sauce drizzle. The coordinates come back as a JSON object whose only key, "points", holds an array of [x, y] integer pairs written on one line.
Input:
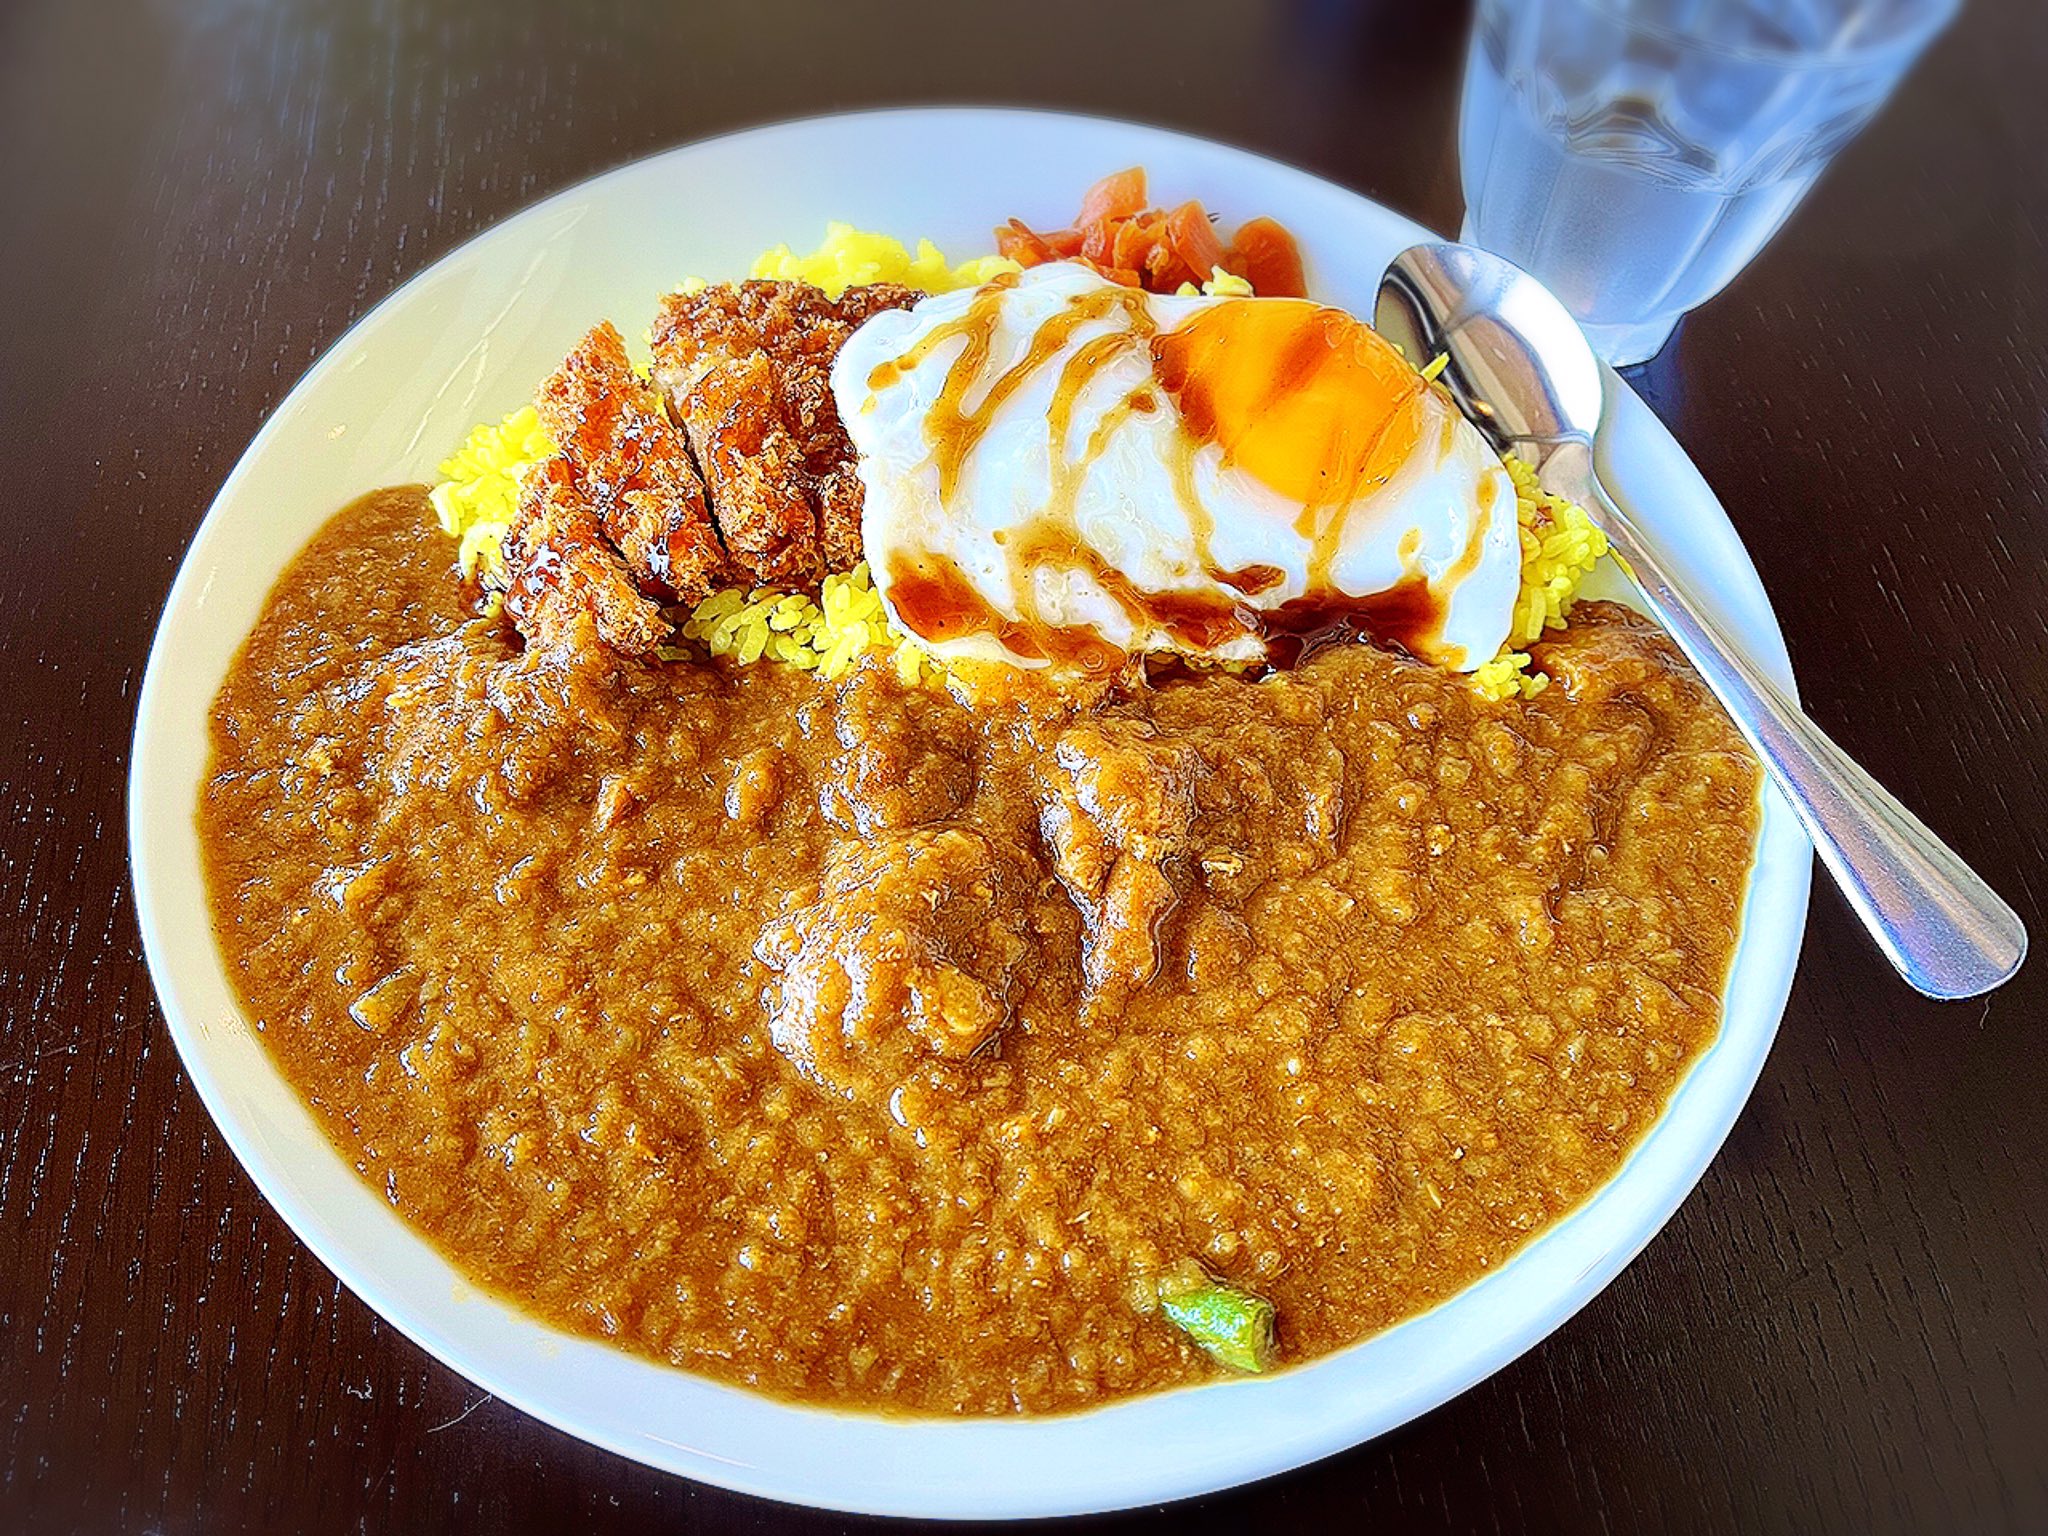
{"points": [[1095, 354], [1475, 540], [1329, 537], [935, 599], [1180, 468], [1408, 616], [980, 317], [1052, 541], [1196, 620], [1194, 365], [955, 431], [1186, 370]]}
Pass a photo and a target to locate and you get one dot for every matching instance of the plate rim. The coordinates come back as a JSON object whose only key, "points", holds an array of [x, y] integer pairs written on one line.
{"points": [[1218, 1471]]}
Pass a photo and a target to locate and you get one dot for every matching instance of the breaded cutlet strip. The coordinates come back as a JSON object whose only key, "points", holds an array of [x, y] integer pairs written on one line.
{"points": [[755, 471], [746, 367], [630, 463], [562, 565]]}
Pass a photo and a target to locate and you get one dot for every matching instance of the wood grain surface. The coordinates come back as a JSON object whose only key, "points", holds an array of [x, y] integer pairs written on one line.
{"points": [[1843, 1328]]}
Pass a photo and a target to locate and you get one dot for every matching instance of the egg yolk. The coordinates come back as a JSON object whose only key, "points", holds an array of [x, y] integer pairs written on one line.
{"points": [[1312, 402]]}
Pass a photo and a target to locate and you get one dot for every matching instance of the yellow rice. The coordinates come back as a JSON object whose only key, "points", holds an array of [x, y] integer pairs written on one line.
{"points": [[827, 634], [1560, 547], [479, 489], [851, 256]]}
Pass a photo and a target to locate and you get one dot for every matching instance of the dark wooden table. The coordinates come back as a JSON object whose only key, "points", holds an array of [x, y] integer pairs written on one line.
{"points": [[1845, 1328]]}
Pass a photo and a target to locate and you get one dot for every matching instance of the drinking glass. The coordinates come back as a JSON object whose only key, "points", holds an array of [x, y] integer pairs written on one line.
{"points": [[1635, 154]]}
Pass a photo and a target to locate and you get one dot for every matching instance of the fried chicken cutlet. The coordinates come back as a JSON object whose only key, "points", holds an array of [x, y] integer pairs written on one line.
{"points": [[562, 566], [630, 464], [630, 512], [746, 367]]}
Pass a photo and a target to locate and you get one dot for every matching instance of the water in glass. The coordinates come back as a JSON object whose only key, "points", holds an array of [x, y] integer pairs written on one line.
{"points": [[1635, 154]]}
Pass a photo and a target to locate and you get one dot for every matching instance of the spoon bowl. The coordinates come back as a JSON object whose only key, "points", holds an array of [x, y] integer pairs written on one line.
{"points": [[1519, 366]]}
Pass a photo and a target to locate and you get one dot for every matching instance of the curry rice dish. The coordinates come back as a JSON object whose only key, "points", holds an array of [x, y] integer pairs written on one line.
{"points": [[965, 1039]]}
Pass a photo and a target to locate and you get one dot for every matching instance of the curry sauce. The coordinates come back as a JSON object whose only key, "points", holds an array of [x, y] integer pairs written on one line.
{"points": [[885, 1044]]}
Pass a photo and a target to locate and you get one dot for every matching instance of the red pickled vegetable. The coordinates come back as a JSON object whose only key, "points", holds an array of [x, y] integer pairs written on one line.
{"points": [[1193, 239], [1159, 250], [1120, 195], [1024, 246], [1264, 254]]}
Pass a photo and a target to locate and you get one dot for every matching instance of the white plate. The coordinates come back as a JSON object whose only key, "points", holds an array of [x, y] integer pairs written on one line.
{"points": [[467, 340]]}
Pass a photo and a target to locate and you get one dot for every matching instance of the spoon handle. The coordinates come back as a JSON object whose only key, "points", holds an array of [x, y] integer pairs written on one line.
{"points": [[1948, 932]]}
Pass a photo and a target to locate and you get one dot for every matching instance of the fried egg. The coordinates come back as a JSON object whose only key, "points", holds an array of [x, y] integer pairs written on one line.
{"points": [[1059, 471]]}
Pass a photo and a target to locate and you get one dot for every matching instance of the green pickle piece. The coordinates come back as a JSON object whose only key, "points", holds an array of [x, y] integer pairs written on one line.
{"points": [[1234, 1327]]}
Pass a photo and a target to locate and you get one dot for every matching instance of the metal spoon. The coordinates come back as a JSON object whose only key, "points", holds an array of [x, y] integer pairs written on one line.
{"points": [[1525, 376]]}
